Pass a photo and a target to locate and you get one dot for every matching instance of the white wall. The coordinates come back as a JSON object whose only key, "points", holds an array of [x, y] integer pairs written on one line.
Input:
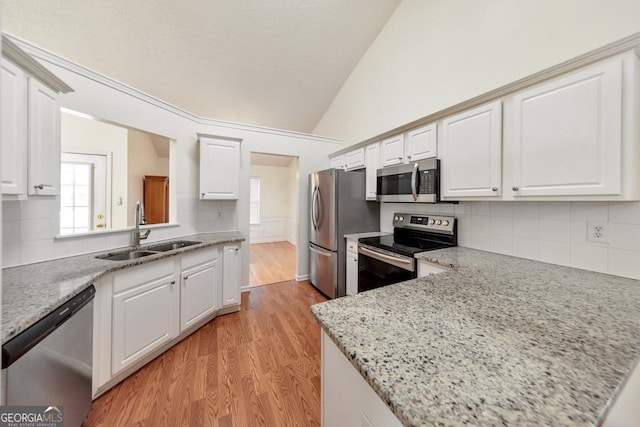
{"points": [[553, 232], [434, 54], [143, 160], [275, 203], [98, 97], [82, 135], [292, 216]]}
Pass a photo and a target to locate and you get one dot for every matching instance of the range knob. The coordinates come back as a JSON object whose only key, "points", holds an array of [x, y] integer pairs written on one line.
{"points": [[445, 222], [401, 218], [438, 221], [431, 222], [396, 218]]}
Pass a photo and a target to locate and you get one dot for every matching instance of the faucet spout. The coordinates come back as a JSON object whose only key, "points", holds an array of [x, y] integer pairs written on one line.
{"points": [[139, 220]]}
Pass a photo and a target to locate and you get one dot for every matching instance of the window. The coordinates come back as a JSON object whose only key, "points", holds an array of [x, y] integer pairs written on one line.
{"points": [[254, 200], [74, 198]]}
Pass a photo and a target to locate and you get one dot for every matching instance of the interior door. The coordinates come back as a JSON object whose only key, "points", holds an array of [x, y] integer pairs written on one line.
{"points": [[322, 208]]}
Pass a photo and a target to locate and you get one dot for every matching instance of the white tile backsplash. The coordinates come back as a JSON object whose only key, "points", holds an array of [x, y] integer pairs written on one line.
{"points": [[556, 232]]}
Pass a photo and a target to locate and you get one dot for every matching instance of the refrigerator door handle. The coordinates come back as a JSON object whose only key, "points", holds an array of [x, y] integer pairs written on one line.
{"points": [[314, 207], [319, 251]]}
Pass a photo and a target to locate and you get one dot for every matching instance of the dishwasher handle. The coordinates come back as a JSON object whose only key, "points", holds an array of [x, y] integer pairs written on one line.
{"points": [[16, 347]]}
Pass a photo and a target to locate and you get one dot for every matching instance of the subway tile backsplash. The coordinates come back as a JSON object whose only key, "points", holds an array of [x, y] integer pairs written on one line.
{"points": [[553, 232]]}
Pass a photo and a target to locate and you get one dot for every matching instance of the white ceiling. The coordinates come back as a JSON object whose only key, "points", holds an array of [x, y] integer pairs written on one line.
{"points": [[274, 63]]}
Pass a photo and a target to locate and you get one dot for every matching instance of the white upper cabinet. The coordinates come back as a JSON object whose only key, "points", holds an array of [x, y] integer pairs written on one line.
{"points": [[13, 129], [355, 159], [372, 160], [567, 135], [219, 168], [338, 162], [43, 140], [392, 150], [471, 153], [422, 143]]}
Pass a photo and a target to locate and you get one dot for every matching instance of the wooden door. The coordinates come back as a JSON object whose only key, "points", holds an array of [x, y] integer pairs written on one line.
{"points": [[156, 199]]}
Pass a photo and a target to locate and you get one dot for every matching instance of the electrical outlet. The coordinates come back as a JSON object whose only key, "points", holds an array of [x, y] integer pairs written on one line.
{"points": [[219, 214], [597, 232]]}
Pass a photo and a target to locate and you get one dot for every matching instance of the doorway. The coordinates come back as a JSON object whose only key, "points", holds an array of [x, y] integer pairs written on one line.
{"points": [[273, 218]]}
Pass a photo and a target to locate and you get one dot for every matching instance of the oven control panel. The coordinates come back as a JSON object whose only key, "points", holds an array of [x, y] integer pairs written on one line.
{"points": [[437, 223]]}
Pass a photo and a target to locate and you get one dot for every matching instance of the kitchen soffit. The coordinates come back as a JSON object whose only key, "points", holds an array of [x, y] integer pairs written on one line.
{"points": [[274, 63]]}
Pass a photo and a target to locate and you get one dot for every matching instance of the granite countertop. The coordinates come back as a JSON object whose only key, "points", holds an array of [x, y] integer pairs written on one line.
{"points": [[32, 291], [358, 236], [496, 340]]}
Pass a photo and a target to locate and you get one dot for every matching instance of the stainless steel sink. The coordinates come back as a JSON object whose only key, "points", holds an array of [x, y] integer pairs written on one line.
{"points": [[171, 246], [126, 255]]}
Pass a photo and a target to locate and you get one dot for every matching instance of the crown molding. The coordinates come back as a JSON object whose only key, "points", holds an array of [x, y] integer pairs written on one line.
{"points": [[55, 59], [626, 44], [25, 61]]}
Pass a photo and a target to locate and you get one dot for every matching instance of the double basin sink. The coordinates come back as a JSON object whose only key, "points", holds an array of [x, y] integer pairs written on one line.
{"points": [[147, 251]]}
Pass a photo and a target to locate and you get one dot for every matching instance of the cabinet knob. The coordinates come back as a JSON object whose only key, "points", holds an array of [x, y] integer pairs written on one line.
{"points": [[39, 187], [409, 157], [400, 158], [515, 188], [173, 282], [185, 278], [236, 249], [494, 189]]}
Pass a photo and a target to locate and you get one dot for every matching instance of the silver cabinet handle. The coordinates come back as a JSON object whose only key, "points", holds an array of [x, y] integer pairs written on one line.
{"points": [[400, 158], [236, 249], [408, 157], [494, 189], [185, 278], [39, 187], [515, 188]]}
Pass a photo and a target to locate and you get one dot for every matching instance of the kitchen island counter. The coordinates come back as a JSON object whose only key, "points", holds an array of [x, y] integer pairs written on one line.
{"points": [[495, 340], [30, 292]]}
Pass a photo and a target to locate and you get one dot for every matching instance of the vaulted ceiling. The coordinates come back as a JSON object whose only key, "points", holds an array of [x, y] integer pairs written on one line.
{"points": [[274, 63]]}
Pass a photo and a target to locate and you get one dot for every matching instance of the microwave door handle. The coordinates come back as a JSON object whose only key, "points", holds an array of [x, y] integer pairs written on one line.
{"points": [[414, 176]]}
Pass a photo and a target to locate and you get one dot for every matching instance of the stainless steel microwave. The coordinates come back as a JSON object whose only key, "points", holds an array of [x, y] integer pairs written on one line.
{"points": [[416, 182]]}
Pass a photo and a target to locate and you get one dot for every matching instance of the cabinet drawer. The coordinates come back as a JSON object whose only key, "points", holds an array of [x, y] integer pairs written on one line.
{"points": [[191, 259], [132, 277]]}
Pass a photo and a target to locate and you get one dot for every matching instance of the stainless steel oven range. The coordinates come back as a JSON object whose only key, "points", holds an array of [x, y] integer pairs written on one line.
{"points": [[390, 259]]}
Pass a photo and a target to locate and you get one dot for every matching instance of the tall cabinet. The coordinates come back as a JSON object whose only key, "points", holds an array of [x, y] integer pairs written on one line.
{"points": [[156, 199]]}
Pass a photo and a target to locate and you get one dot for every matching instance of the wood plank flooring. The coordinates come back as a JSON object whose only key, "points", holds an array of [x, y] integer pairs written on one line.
{"points": [[271, 263], [257, 367]]}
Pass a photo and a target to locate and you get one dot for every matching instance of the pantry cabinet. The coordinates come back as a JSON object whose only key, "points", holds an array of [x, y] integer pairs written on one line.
{"points": [[567, 135], [472, 153], [219, 168]]}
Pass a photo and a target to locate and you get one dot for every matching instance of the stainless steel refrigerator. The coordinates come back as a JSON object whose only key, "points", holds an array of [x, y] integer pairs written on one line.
{"points": [[337, 207]]}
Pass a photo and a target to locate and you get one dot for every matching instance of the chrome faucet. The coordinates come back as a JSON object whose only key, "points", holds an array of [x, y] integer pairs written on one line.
{"points": [[140, 220]]}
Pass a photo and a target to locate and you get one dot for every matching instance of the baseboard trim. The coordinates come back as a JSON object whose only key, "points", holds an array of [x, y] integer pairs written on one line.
{"points": [[301, 277]]}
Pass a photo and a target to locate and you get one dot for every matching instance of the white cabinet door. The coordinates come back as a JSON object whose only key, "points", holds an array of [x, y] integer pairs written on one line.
{"points": [[144, 318], [200, 293], [355, 159], [219, 169], [338, 162], [231, 275], [372, 164], [472, 153], [568, 135], [43, 140], [422, 143], [13, 129], [392, 150], [352, 273]]}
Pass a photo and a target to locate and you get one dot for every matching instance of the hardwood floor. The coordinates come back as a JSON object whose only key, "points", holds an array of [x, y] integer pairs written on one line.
{"points": [[257, 367], [271, 263]]}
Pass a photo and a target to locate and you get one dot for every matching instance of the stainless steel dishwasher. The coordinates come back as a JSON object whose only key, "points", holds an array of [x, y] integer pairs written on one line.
{"points": [[50, 362]]}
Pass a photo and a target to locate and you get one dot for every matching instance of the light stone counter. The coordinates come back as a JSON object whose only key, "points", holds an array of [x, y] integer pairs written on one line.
{"points": [[32, 291], [359, 236], [497, 340]]}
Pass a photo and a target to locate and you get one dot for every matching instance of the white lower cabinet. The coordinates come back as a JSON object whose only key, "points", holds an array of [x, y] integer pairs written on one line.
{"points": [[231, 275], [200, 288], [141, 311], [352, 266], [347, 399], [426, 268], [145, 309]]}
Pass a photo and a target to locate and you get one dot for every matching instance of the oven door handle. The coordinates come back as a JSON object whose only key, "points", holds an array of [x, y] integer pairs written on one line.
{"points": [[414, 175], [405, 264]]}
